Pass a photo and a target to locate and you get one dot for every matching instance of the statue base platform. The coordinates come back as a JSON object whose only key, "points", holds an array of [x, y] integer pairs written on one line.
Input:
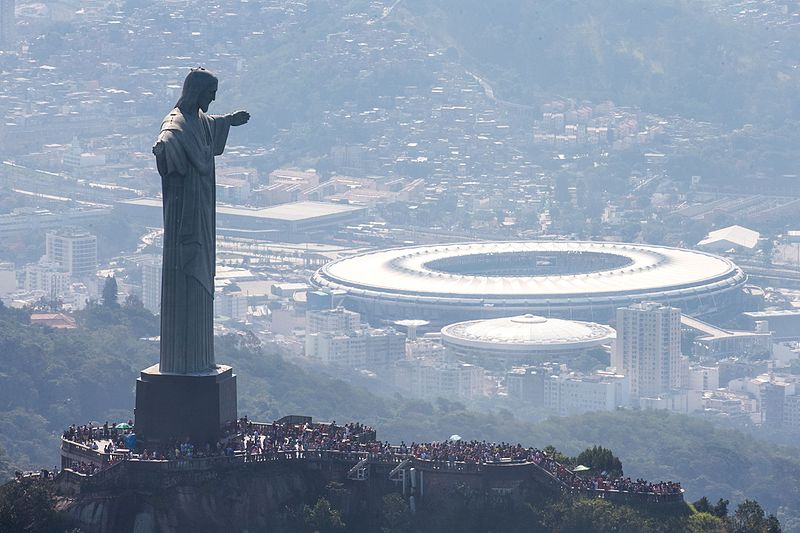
{"points": [[172, 407]]}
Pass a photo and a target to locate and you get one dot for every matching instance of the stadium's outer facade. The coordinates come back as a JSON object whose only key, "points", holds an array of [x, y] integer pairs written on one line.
{"points": [[525, 339], [578, 280]]}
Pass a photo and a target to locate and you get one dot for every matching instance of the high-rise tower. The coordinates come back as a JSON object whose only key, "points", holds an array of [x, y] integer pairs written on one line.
{"points": [[74, 250], [648, 348], [6, 24]]}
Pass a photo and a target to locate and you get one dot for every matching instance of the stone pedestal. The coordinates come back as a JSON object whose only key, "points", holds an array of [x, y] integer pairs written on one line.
{"points": [[177, 406]]}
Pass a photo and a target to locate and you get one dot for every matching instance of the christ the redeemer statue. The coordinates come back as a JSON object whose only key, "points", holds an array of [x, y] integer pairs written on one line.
{"points": [[185, 150]]}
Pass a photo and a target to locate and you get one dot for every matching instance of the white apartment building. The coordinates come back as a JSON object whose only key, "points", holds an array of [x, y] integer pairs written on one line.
{"points": [[422, 348], [332, 320], [151, 284], [230, 304], [648, 348], [8, 279], [567, 395], [384, 347], [441, 377], [74, 250], [359, 348], [47, 276], [703, 378], [7, 33], [341, 349], [677, 401]]}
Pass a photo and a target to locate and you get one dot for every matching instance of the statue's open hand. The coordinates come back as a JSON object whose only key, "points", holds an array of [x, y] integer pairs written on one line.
{"points": [[239, 118]]}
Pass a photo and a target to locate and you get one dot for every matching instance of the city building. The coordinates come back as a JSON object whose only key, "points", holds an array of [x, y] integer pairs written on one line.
{"points": [[337, 337], [24, 220], [361, 348], [564, 393], [286, 320], [7, 24], [332, 320], [290, 221], [730, 239], [287, 290], [151, 284], [791, 412], [778, 397], [424, 348], [573, 394], [526, 384], [716, 342], [79, 295], [648, 348], [75, 159], [678, 401], [783, 323], [703, 378], [48, 277], [341, 349], [384, 347], [441, 377], [318, 300], [8, 279], [74, 250], [230, 302], [54, 320], [231, 190]]}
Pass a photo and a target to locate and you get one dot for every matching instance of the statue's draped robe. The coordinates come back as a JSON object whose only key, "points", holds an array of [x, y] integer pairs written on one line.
{"points": [[185, 152]]}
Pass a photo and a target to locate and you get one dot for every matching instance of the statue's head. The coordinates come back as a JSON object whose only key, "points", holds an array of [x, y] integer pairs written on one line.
{"points": [[199, 89]]}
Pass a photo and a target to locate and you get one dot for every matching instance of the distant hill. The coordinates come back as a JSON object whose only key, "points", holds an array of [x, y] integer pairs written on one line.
{"points": [[666, 56]]}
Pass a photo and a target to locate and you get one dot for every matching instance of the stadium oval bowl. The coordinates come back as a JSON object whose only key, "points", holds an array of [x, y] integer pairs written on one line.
{"points": [[567, 279]]}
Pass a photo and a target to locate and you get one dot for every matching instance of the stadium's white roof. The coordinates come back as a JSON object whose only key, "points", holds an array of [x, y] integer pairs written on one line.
{"points": [[644, 269], [527, 333]]}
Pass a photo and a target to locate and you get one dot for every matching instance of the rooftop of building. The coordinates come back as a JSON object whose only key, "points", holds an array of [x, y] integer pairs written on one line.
{"points": [[772, 313], [290, 212], [738, 235]]}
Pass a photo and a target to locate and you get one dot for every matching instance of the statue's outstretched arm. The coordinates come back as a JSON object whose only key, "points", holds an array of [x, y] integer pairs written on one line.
{"points": [[239, 118]]}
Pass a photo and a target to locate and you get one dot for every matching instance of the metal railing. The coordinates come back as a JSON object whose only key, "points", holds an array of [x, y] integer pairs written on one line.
{"points": [[114, 467]]}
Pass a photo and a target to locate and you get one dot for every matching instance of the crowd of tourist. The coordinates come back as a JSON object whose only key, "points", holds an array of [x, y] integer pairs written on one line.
{"points": [[292, 440], [625, 484], [601, 482], [89, 434], [475, 452], [298, 438]]}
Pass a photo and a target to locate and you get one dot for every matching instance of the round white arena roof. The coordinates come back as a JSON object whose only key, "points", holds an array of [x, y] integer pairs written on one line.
{"points": [[528, 333], [549, 278]]}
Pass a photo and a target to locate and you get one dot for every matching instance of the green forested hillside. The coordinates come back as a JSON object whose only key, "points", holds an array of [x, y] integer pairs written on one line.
{"points": [[52, 378], [705, 458]]}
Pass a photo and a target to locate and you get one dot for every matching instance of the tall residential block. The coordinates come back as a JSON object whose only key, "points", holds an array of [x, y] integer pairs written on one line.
{"points": [[7, 36], [332, 320], [648, 348], [74, 250], [151, 285]]}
